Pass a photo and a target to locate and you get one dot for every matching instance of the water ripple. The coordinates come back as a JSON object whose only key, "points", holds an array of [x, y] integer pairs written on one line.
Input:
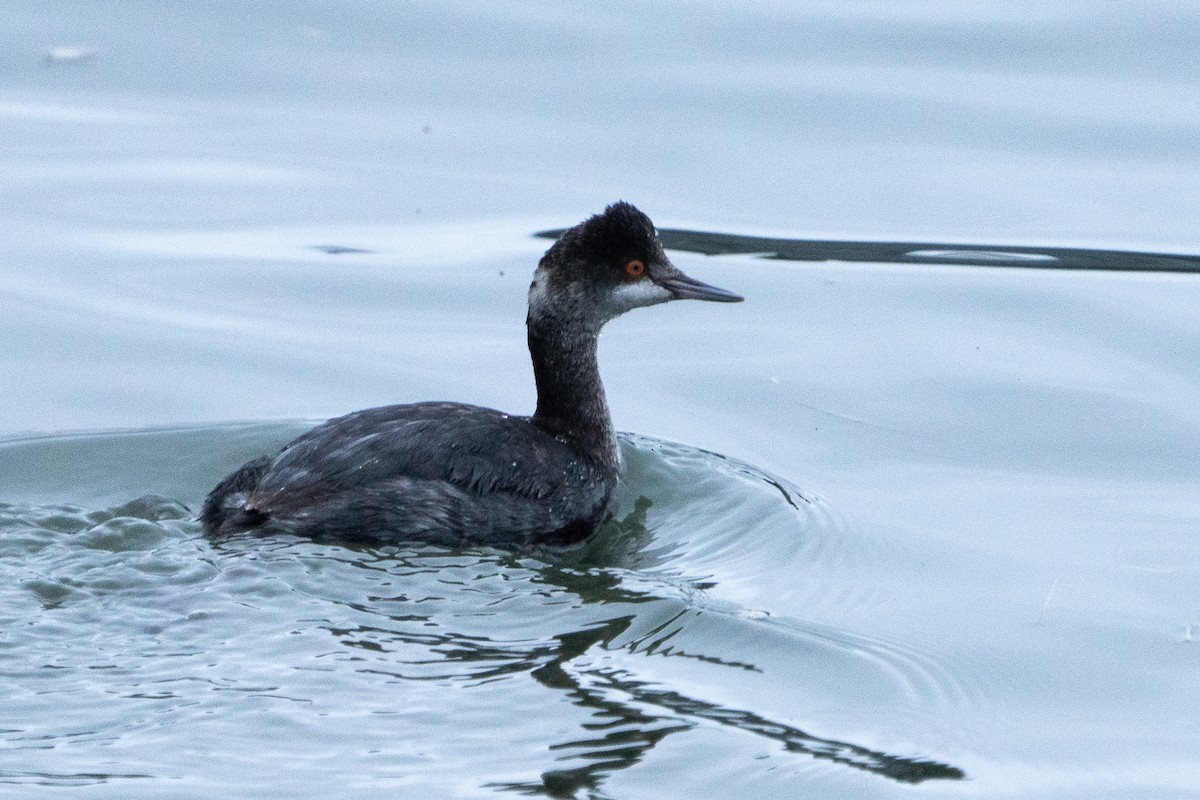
{"points": [[123, 627]]}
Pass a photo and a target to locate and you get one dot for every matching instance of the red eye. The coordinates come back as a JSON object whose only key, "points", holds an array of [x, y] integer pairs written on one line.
{"points": [[635, 268]]}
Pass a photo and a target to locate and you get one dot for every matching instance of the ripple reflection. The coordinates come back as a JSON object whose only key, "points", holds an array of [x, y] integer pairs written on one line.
{"points": [[665, 626]]}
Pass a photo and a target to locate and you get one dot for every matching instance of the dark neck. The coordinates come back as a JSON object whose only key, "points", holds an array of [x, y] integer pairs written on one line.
{"points": [[570, 396]]}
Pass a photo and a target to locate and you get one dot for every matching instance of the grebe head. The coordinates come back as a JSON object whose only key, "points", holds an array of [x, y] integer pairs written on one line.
{"points": [[608, 264]]}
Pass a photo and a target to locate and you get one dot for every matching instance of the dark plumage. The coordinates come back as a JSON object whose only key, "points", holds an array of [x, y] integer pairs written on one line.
{"points": [[455, 474]]}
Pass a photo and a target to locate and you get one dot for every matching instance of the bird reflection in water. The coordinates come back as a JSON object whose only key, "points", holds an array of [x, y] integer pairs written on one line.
{"points": [[630, 716]]}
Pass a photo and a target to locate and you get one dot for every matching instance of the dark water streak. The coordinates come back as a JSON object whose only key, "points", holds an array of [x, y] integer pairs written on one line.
{"points": [[629, 733], [981, 255]]}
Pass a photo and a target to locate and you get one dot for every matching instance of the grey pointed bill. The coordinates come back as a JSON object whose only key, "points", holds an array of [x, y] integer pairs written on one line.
{"points": [[683, 287]]}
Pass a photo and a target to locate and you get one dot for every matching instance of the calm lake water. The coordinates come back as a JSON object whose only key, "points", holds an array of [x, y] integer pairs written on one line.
{"points": [[886, 530]]}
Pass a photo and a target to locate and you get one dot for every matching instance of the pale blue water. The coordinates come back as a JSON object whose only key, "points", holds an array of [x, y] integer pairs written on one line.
{"points": [[949, 544]]}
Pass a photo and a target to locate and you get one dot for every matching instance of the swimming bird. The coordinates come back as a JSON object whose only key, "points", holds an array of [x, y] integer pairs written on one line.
{"points": [[461, 475]]}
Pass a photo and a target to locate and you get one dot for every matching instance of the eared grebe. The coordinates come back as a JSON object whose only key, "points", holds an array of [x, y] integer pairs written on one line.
{"points": [[456, 474]]}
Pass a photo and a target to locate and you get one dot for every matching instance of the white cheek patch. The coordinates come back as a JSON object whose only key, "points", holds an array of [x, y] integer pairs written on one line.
{"points": [[635, 295]]}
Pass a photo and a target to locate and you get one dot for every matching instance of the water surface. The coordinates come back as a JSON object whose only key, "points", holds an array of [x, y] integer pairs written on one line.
{"points": [[887, 530]]}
